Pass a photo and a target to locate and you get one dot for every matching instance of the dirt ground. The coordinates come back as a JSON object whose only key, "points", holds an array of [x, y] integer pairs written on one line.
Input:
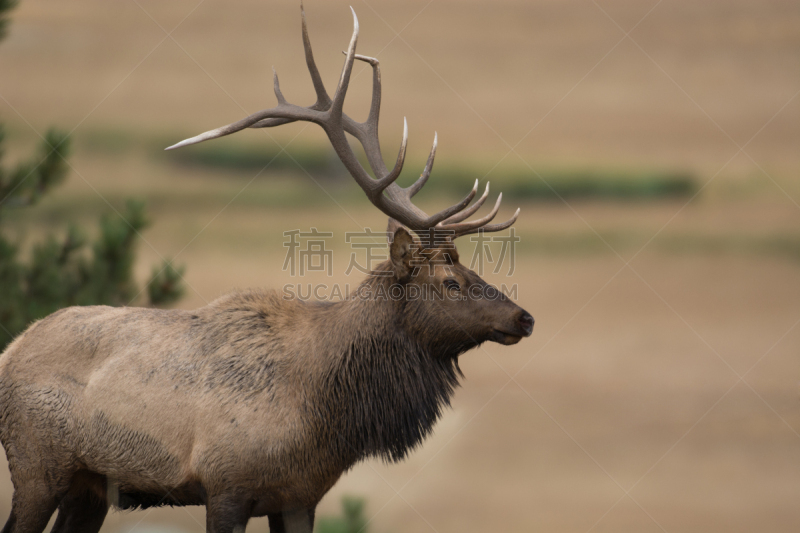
{"points": [[660, 390]]}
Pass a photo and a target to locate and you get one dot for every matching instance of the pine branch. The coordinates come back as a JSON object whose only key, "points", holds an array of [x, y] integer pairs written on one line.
{"points": [[61, 272], [5, 7], [26, 184]]}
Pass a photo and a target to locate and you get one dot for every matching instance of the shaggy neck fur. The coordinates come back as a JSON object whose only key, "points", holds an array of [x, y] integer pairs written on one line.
{"points": [[386, 389]]}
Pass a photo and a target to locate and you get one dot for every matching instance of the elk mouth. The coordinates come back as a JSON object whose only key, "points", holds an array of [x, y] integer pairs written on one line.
{"points": [[504, 337], [522, 328]]}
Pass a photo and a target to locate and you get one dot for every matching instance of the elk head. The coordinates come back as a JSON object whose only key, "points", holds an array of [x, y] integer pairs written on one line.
{"points": [[423, 255], [439, 292]]}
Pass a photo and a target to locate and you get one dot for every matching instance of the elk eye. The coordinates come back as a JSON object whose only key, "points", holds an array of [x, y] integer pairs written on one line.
{"points": [[450, 283]]}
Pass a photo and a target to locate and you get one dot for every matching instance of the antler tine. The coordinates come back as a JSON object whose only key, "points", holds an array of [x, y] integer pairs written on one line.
{"points": [[283, 111], [489, 228], [344, 81], [375, 106], [398, 166], [466, 213], [432, 221], [277, 87], [415, 187], [461, 227], [367, 132], [367, 59], [323, 100]]}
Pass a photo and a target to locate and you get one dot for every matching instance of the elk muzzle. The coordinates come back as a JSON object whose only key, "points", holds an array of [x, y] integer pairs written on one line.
{"points": [[521, 327]]}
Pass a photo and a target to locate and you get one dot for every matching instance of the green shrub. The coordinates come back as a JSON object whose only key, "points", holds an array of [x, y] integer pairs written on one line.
{"points": [[60, 272], [351, 521]]}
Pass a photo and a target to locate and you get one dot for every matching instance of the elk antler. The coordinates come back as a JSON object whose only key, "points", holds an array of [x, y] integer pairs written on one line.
{"points": [[383, 192]]}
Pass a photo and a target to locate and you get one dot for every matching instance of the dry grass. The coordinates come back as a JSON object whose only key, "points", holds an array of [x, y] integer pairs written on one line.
{"points": [[629, 382]]}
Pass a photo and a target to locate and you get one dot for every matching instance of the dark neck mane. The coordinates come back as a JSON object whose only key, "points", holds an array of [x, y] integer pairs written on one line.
{"points": [[384, 391]]}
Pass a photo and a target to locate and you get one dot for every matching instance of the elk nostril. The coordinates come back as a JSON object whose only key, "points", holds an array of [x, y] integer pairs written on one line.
{"points": [[526, 321]]}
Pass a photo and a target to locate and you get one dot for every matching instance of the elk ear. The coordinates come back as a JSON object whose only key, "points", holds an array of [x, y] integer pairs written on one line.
{"points": [[401, 251], [392, 228]]}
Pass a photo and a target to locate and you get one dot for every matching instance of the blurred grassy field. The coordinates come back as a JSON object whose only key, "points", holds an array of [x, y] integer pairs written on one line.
{"points": [[625, 411]]}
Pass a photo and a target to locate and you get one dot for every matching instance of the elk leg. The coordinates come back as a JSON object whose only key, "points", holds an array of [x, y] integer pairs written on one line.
{"points": [[226, 513], [299, 521], [80, 512], [31, 508]]}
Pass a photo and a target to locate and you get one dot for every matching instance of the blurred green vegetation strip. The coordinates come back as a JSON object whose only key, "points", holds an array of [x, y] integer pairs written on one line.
{"points": [[547, 185], [555, 244], [552, 183], [557, 184], [240, 157]]}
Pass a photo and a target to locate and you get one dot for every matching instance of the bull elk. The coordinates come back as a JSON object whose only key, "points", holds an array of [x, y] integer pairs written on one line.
{"points": [[253, 405]]}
